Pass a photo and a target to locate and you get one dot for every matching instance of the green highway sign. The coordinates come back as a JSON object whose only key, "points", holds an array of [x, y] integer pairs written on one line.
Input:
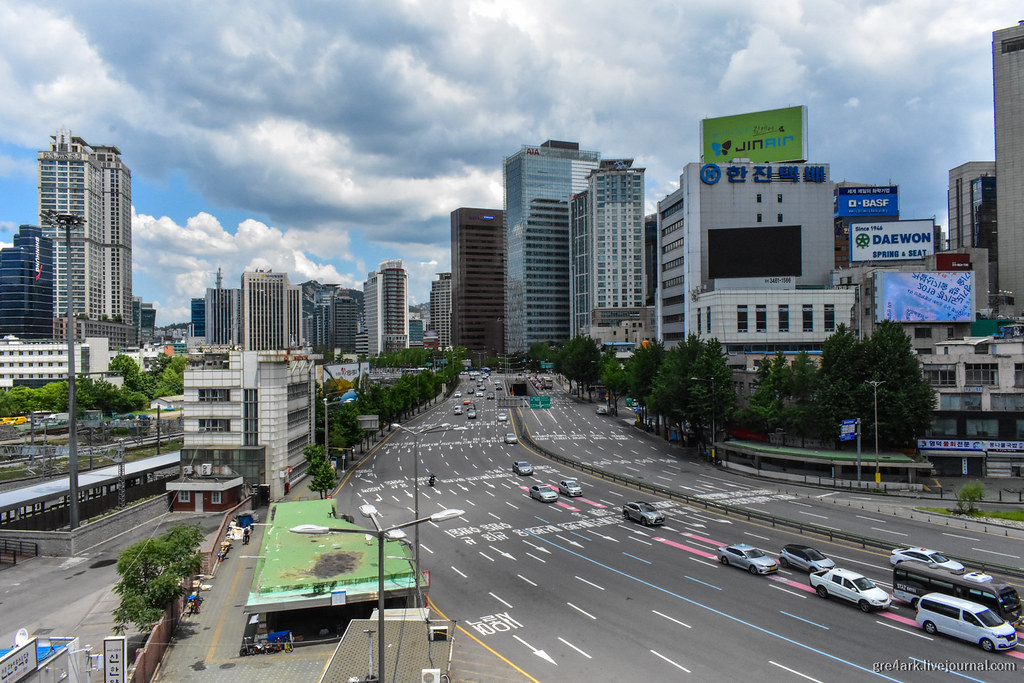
{"points": [[545, 365], [540, 402]]}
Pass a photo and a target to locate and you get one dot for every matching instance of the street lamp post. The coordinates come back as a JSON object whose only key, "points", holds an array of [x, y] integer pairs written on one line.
{"points": [[874, 386], [68, 221], [416, 480], [382, 533]]}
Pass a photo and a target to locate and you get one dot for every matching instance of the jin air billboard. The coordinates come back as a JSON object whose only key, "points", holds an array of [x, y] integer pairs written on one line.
{"points": [[762, 137]]}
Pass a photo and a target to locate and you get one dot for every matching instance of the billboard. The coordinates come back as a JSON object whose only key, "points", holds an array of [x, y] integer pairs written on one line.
{"points": [[763, 136], [343, 376], [857, 202], [892, 240], [930, 296], [769, 252]]}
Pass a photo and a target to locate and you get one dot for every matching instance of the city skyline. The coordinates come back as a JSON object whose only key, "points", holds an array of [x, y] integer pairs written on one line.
{"points": [[319, 142]]}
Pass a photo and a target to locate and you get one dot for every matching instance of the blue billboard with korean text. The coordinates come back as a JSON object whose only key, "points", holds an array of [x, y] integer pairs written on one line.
{"points": [[929, 296], [856, 202]]}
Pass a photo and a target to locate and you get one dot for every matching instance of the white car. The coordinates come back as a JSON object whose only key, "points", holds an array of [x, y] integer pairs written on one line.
{"points": [[458, 410], [930, 557], [502, 417], [458, 394], [858, 589], [511, 438]]}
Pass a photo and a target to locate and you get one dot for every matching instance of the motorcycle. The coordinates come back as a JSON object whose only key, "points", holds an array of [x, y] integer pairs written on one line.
{"points": [[431, 480]]}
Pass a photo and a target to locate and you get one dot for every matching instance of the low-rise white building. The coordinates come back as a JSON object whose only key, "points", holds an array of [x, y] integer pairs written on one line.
{"points": [[36, 362]]}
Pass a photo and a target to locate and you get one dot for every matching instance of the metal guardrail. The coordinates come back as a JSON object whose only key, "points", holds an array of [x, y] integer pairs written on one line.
{"points": [[802, 527], [16, 548]]}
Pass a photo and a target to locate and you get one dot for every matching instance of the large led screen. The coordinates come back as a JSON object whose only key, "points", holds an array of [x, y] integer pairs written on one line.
{"points": [[930, 296], [754, 252]]}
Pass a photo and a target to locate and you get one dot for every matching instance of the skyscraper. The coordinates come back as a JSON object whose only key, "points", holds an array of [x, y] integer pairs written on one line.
{"points": [[90, 181], [223, 314], [271, 312], [972, 214], [441, 309], [606, 247], [478, 280], [386, 308], [26, 285], [1008, 95], [539, 182]]}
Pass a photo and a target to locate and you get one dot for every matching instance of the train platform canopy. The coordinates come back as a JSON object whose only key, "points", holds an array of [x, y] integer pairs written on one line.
{"points": [[301, 571]]}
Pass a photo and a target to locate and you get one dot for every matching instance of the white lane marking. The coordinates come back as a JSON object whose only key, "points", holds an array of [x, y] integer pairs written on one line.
{"points": [[537, 558], [526, 580], [806, 621], [993, 552], [763, 538], [671, 618], [490, 493], [678, 666], [785, 590], [871, 519], [811, 514], [500, 600], [588, 583], [581, 611], [887, 531], [459, 573], [494, 515], [427, 549], [794, 671], [793, 502], [704, 562], [905, 630], [634, 538], [574, 647], [514, 507], [487, 557], [966, 538], [470, 502]]}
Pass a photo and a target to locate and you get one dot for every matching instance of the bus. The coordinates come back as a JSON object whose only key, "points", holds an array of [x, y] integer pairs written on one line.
{"points": [[912, 579], [546, 381]]}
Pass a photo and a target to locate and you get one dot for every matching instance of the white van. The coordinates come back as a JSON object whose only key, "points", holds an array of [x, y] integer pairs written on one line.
{"points": [[938, 613]]}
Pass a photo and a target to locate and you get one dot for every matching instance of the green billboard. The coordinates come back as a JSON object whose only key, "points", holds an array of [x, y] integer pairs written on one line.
{"points": [[762, 136]]}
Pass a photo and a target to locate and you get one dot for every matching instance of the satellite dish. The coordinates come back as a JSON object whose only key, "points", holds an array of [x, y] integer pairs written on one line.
{"points": [[21, 637]]}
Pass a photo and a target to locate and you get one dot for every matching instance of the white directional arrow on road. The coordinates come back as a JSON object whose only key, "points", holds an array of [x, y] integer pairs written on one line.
{"points": [[540, 653], [502, 552], [607, 538], [538, 547], [578, 545]]}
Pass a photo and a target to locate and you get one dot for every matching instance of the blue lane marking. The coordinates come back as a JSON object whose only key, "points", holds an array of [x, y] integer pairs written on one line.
{"points": [[637, 558], [719, 612], [704, 582], [805, 620], [541, 519], [585, 538]]}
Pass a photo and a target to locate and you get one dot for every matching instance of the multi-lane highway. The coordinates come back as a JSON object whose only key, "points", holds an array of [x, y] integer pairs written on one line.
{"points": [[571, 591]]}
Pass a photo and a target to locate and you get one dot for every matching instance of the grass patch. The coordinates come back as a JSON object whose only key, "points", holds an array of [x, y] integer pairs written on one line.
{"points": [[1010, 515]]}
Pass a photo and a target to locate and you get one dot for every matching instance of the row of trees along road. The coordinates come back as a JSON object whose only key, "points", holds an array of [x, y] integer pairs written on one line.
{"points": [[691, 385]]}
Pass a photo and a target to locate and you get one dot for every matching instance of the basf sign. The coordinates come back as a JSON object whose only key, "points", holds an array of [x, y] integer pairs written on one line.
{"points": [[859, 202], [892, 240], [930, 296], [762, 137]]}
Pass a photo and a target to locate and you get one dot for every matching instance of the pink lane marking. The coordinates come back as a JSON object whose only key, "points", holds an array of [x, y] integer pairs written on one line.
{"points": [[687, 548], [1014, 653], [705, 540], [896, 617], [793, 584], [593, 502], [566, 506]]}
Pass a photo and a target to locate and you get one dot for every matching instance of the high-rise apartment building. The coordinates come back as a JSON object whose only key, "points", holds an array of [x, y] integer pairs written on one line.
{"points": [[271, 312], [345, 317], [539, 182], [26, 285], [972, 214], [1008, 95], [386, 308], [606, 246], [89, 181], [441, 309], [478, 280]]}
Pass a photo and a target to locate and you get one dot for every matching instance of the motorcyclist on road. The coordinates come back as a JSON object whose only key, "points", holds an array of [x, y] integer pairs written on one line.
{"points": [[432, 479]]}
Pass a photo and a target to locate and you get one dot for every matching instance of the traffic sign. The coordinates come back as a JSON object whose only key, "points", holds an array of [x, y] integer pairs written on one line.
{"points": [[540, 402], [848, 430]]}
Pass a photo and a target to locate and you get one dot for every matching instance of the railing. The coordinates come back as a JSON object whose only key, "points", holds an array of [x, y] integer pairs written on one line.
{"points": [[13, 549], [732, 510]]}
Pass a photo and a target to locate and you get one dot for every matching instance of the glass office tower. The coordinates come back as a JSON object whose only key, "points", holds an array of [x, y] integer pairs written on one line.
{"points": [[26, 285]]}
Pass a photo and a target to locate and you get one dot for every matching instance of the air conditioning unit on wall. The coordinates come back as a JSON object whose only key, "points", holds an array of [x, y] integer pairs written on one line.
{"points": [[430, 676], [206, 469]]}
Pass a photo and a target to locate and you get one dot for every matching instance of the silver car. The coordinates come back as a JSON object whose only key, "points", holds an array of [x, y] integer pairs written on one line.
{"points": [[543, 493], [804, 557], [570, 487], [643, 512], [747, 557]]}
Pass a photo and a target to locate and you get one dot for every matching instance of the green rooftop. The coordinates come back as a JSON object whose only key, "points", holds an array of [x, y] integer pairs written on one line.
{"points": [[300, 570], [818, 454]]}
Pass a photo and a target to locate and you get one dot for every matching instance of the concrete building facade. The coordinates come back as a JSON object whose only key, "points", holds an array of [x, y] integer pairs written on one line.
{"points": [[1008, 96]]}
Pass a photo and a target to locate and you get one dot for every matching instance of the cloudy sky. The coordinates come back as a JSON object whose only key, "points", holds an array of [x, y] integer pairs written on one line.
{"points": [[319, 138]]}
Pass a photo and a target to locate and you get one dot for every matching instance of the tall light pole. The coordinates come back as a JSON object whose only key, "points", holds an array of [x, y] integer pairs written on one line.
{"points": [[416, 479], [713, 425], [382, 533], [68, 221], [874, 386]]}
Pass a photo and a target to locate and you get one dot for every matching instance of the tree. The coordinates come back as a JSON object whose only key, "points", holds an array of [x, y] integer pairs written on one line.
{"points": [[318, 468], [968, 496], [614, 378], [841, 372], [641, 371], [153, 574], [579, 360]]}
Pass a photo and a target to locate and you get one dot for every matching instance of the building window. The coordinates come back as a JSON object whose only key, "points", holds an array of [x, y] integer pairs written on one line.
{"points": [[959, 401], [984, 427], [758, 199], [215, 497], [761, 318], [214, 395], [184, 496], [783, 318], [1008, 402], [981, 373], [698, 320], [830, 318], [759, 218], [780, 218], [207, 426], [1020, 429], [940, 375], [779, 198], [922, 333], [707, 318], [943, 426], [741, 319], [808, 318], [1018, 374]]}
